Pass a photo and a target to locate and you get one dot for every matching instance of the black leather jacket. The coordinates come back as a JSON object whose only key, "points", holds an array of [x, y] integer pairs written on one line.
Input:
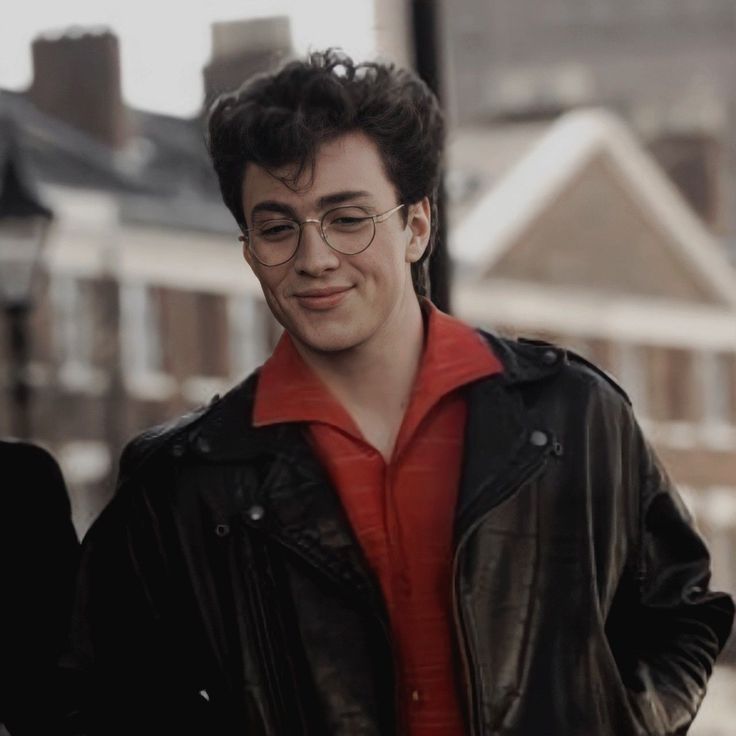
{"points": [[223, 591]]}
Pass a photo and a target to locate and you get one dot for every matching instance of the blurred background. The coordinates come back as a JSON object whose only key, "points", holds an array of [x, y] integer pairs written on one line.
{"points": [[589, 199]]}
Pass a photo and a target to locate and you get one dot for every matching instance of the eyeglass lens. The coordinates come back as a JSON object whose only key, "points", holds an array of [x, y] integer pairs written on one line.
{"points": [[348, 230]]}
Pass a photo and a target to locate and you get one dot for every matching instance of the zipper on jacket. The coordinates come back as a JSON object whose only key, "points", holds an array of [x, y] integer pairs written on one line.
{"points": [[472, 696], [254, 586], [375, 612]]}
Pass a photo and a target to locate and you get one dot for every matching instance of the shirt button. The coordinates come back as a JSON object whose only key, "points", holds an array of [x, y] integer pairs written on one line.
{"points": [[549, 357], [538, 438], [415, 696], [203, 444], [256, 513]]}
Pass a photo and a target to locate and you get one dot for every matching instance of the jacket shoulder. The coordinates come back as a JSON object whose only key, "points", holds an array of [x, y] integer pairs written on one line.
{"points": [[172, 439], [599, 375], [560, 360], [157, 439]]}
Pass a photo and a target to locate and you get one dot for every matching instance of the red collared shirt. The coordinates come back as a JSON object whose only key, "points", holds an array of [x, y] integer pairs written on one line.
{"points": [[401, 511]]}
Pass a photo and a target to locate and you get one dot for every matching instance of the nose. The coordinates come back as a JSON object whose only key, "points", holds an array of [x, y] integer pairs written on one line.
{"points": [[313, 256]]}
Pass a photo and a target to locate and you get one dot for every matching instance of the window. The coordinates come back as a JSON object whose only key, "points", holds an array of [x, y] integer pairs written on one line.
{"points": [[75, 312], [680, 384], [672, 388], [141, 335], [630, 370], [141, 321], [71, 316], [250, 326], [212, 337], [718, 380], [200, 344]]}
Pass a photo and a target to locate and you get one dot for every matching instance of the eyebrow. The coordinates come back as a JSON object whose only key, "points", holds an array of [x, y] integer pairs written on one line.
{"points": [[328, 200], [340, 197]]}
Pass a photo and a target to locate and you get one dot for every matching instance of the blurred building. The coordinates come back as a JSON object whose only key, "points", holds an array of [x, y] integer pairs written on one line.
{"points": [[667, 66], [241, 49], [148, 308], [572, 233]]}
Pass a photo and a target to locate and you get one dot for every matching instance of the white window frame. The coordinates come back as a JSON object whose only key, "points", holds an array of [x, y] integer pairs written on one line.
{"points": [[141, 345], [74, 330], [249, 334], [632, 375], [717, 427]]}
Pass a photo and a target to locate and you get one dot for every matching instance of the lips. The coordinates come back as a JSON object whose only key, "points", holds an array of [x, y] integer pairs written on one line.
{"points": [[321, 299]]}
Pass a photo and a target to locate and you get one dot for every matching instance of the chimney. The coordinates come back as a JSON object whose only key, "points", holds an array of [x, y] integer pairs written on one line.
{"points": [[76, 79], [241, 49], [692, 161]]}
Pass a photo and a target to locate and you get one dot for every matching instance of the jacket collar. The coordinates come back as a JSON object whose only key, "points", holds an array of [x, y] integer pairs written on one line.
{"points": [[226, 433], [302, 510]]}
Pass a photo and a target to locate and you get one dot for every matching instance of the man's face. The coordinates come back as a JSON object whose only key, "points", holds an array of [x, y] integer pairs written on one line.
{"points": [[326, 300]]}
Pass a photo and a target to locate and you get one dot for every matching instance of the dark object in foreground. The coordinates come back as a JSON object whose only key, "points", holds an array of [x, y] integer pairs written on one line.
{"points": [[38, 563]]}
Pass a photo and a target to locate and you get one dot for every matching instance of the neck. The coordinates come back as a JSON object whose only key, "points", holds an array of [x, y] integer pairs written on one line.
{"points": [[373, 381]]}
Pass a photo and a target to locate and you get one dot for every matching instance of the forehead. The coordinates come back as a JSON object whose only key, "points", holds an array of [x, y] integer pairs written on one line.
{"points": [[349, 162]]}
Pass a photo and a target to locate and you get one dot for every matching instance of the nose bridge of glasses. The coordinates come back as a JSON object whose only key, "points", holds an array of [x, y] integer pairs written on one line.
{"points": [[315, 221], [304, 250]]}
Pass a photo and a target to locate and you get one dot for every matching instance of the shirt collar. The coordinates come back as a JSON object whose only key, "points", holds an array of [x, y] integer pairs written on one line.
{"points": [[454, 355]]}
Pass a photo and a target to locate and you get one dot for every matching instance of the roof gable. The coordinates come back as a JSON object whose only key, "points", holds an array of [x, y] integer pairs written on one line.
{"points": [[587, 207]]}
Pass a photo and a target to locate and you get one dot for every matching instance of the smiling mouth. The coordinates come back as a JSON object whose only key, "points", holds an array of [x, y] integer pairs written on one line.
{"points": [[322, 299]]}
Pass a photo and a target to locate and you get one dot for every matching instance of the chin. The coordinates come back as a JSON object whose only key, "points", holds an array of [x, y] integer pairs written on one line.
{"points": [[328, 340]]}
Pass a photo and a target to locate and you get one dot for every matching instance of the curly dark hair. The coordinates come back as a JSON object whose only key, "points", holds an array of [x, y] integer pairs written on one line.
{"points": [[283, 117]]}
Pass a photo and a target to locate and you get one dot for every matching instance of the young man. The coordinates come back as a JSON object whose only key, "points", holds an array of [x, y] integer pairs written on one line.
{"points": [[398, 525]]}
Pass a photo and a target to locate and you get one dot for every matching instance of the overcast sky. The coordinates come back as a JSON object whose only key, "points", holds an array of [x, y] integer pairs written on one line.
{"points": [[165, 43]]}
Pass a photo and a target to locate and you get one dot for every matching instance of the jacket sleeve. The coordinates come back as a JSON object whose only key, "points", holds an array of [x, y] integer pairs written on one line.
{"points": [[128, 670], [680, 624]]}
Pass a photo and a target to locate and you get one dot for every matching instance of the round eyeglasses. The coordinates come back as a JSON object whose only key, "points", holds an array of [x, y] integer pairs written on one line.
{"points": [[348, 230]]}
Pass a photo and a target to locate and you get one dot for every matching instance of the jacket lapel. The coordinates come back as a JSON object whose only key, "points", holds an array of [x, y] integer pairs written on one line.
{"points": [[504, 438], [299, 508], [495, 434], [286, 493]]}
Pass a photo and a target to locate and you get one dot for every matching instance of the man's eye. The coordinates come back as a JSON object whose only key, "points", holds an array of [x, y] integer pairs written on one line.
{"points": [[347, 222], [275, 230]]}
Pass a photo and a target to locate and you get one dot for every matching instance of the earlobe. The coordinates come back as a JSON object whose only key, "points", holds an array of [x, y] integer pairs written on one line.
{"points": [[416, 249], [420, 227]]}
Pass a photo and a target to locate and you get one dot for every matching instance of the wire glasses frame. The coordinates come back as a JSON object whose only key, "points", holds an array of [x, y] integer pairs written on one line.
{"points": [[280, 236]]}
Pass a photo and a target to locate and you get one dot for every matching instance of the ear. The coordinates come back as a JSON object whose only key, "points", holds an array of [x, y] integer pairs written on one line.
{"points": [[246, 253], [419, 223]]}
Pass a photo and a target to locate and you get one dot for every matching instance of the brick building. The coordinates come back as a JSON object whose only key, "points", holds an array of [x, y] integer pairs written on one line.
{"points": [[147, 308], [667, 66]]}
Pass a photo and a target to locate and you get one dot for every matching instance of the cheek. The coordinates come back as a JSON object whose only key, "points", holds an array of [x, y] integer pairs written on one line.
{"points": [[391, 270], [275, 306], [271, 281], [271, 288], [386, 262]]}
